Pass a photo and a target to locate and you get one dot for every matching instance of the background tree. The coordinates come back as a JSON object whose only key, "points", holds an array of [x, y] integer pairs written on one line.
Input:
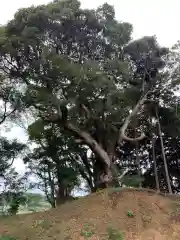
{"points": [[51, 161], [13, 191], [35, 202], [9, 150]]}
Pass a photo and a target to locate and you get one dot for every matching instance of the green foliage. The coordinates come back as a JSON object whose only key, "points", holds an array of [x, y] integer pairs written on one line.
{"points": [[66, 57], [52, 161], [36, 129], [16, 200], [87, 231], [77, 70], [34, 203], [130, 214], [114, 190], [13, 191], [9, 150], [86, 80], [113, 234], [34, 200], [2, 34], [132, 180], [7, 238]]}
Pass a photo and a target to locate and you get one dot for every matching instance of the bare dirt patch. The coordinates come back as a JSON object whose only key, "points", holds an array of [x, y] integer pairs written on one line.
{"points": [[136, 214]]}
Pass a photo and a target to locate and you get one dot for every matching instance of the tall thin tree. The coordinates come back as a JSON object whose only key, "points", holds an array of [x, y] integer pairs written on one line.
{"points": [[155, 163], [163, 152]]}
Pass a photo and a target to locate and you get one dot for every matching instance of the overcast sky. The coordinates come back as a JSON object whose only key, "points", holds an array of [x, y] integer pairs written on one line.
{"points": [[149, 17]]}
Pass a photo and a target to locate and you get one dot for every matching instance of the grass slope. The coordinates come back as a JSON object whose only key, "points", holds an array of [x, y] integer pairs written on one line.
{"points": [[112, 214]]}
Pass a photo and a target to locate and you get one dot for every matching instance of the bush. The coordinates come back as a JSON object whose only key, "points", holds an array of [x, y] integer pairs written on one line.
{"points": [[113, 234], [7, 238], [130, 214]]}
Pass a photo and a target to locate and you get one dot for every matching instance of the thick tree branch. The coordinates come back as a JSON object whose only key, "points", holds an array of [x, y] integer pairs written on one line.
{"points": [[86, 110], [122, 135], [89, 140], [61, 118], [140, 138]]}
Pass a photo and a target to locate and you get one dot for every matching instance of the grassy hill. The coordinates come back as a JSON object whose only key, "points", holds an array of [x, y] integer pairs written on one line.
{"points": [[112, 214]]}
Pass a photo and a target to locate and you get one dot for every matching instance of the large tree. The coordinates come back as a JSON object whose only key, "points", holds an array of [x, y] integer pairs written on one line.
{"points": [[13, 189], [79, 70]]}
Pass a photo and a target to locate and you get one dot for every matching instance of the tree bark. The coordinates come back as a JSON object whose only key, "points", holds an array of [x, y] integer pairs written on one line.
{"points": [[92, 143], [85, 137], [163, 154], [98, 174], [61, 197], [52, 187], [122, 135], [138, 163], [155, 165], [97, 149], [61, 193], [88, 176]]}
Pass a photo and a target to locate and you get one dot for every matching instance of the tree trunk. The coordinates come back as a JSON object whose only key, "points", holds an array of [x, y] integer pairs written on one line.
{"points": [[163, 154], [53, 204], [155, 164], [48, 196], [138, 163], [61, 197], [88, 180], [98, 171], [87, 174], [97, 149], [91, 142], [106, 178], [86, 138], [52, 187]]}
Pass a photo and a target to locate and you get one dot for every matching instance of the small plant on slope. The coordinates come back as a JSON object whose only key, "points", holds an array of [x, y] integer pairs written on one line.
{"points": [[87, 232], [130, 214], [7, 238], [113, 234]]}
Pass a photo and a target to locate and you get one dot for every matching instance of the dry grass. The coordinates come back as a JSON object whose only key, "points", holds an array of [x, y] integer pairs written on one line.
{"points": [[90, 217]]}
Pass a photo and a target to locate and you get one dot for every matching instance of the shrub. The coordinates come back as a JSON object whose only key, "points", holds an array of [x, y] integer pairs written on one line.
{"points": [[7, 238], [113, 234]]}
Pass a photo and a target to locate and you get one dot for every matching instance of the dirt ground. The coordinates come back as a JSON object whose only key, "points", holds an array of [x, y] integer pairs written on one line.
{"points": [[135, 215]]}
